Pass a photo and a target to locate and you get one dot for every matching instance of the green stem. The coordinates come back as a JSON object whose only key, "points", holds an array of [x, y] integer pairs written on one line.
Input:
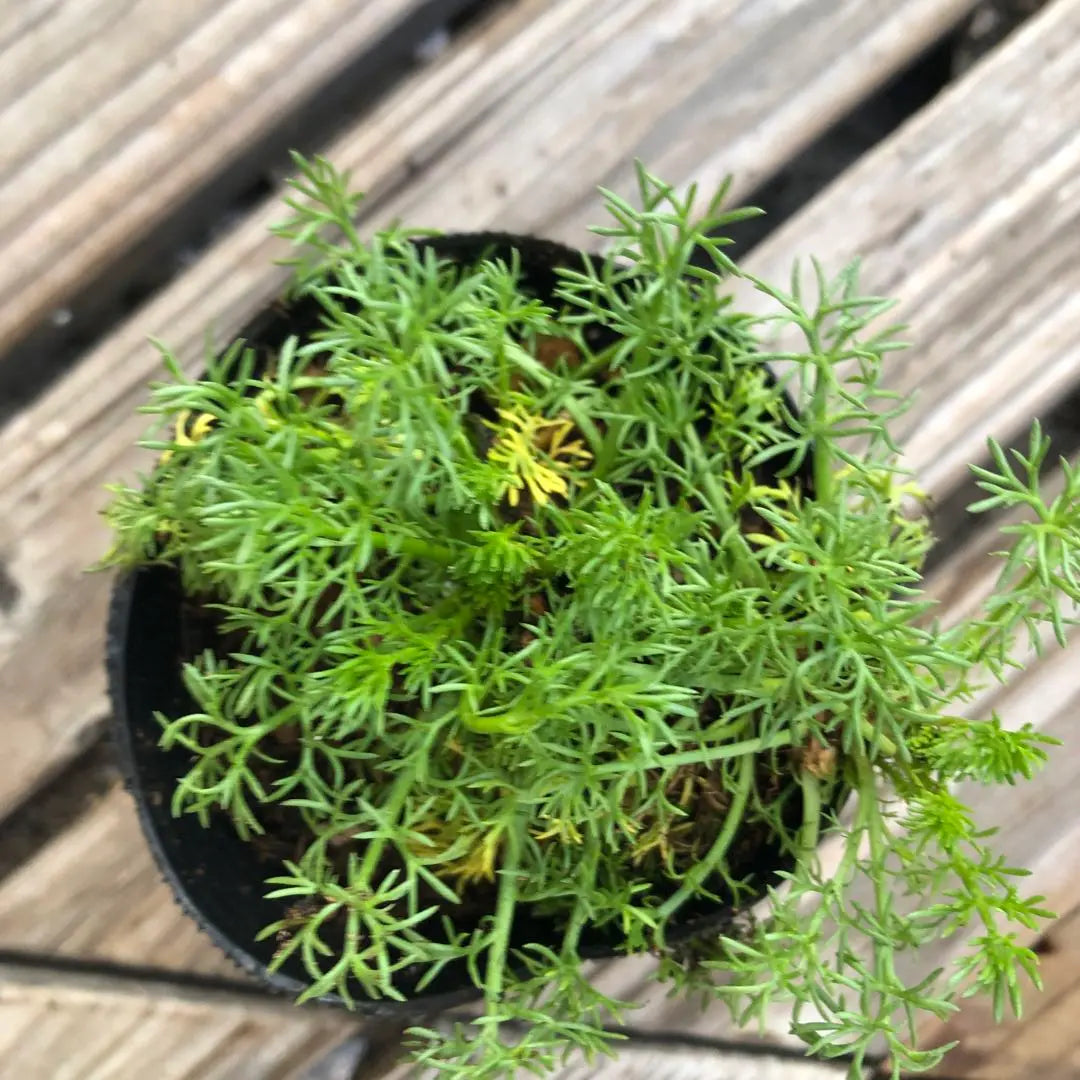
{"points": [[411, 546], [697, 875], [745, 748], [749, 570], [811, 814], [999, 634], [505, 903], [875, 832], [872, 735], [580, 914], [819, 407], [394, 804]]}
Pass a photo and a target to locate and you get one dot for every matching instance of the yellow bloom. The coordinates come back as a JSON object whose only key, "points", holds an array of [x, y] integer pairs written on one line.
{"points": [[479, 864], [889, 485], [782, 492], [183, 437], [264, 402], [566, 832], [523, 441]]}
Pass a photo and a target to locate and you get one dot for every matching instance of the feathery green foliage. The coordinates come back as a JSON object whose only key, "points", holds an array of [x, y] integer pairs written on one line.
{"points": [[559, 604]]}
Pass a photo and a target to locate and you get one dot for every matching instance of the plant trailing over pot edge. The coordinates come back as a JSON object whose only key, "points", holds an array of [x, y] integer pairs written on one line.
{"points": [[523, 615]]}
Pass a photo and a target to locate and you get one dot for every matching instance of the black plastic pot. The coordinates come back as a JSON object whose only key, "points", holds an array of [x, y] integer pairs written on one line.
{"points": [[217, 878]]}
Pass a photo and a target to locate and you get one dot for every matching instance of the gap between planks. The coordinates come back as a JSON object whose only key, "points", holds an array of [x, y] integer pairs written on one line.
{"points": [[31, 977], [969, 214], [1061, 20], [492, 134], [113, 111]]}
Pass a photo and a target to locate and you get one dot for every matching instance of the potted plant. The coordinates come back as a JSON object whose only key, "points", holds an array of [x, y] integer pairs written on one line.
{"points": [[498, 607]]}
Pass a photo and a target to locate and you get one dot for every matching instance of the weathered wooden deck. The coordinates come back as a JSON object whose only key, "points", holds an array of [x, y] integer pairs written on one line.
{"points": [[135, 139]]}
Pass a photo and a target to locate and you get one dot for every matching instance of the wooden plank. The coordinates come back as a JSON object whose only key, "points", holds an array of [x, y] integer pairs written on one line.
{"points": [[642, 1060], [43, 69], [18, 19], [708, 91], [95, 893], [969, 215], [114, 110], [714, 132], [980, 329], [33, 977], [675, 1062], [49, 1037], [1046, 1042], [452, 146], [38, 36]]}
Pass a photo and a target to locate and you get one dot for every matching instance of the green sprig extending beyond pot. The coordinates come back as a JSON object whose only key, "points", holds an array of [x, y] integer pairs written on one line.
{"points": [[562, 611]]}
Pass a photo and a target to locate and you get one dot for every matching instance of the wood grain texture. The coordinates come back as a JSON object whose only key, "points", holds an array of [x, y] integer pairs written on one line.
{"points": [[17, 19], [111, 111], [728, 87], [1046, 1042], [52, 1034], [643, 1061], [714, 130], [37, 37], [459, 144], [988, 278], [970, 216], [1038, 822], [681, 1063], [52, 977], [95, 893]]}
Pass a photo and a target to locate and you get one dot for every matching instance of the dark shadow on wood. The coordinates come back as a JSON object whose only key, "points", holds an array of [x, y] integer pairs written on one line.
{"points": [[42, 971], [839, 147], [194, 224], [50, 810]]}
